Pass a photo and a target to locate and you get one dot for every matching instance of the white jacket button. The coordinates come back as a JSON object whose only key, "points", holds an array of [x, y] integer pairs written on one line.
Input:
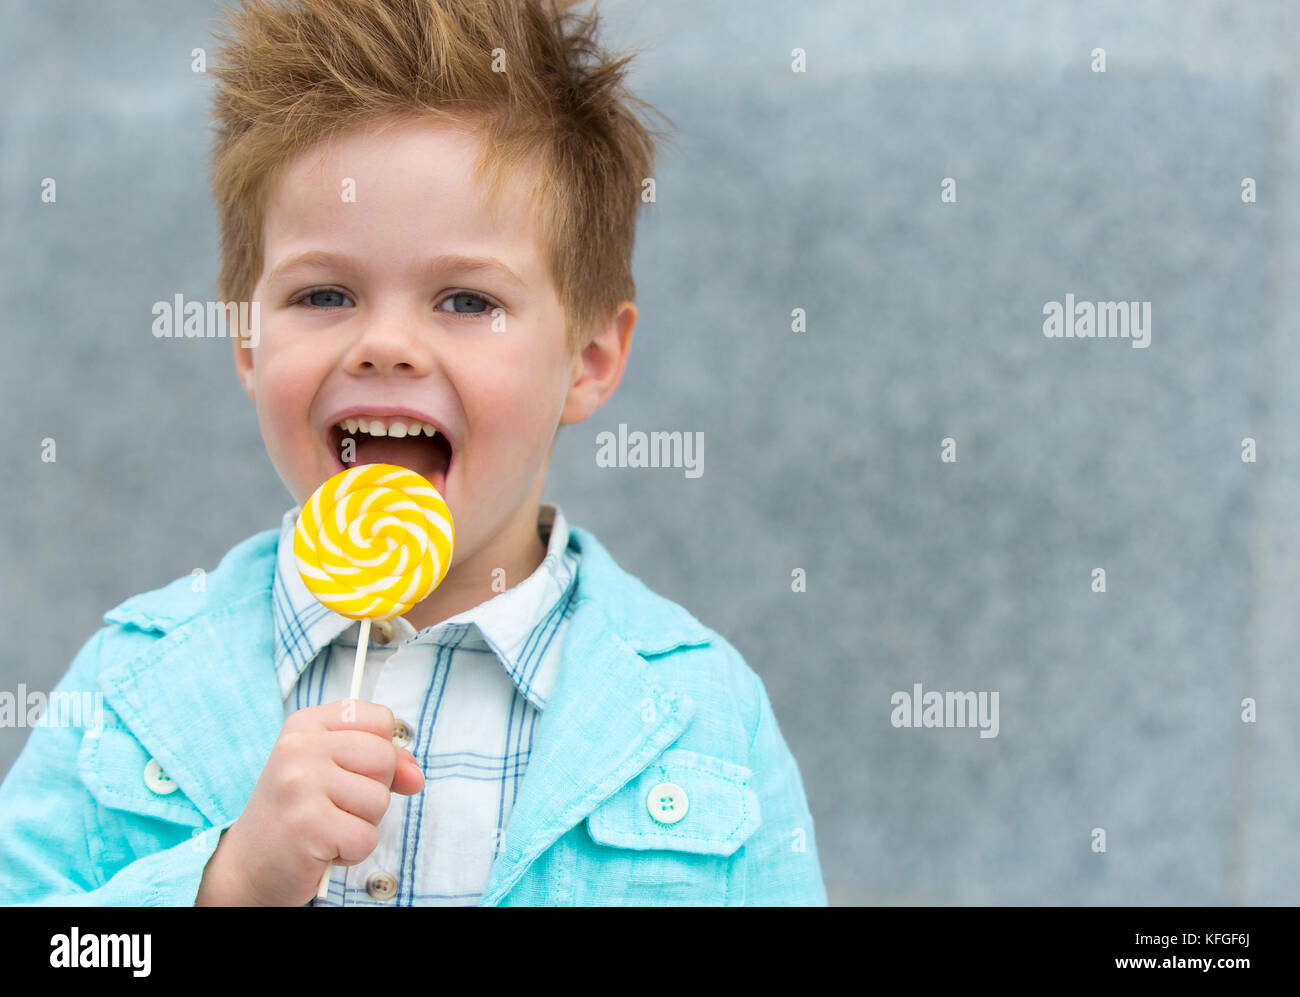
{"points": [[158, 780], [382, 885], [667, 803]]}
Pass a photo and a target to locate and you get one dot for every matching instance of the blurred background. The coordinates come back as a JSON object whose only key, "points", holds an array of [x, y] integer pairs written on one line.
{"points": [[817, 190]]}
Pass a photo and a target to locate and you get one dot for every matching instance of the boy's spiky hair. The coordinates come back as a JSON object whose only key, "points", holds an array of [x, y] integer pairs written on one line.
{"points": [[295, 73]]}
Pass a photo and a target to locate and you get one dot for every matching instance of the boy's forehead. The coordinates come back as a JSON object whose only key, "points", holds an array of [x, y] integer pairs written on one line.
{"points": [[396, 182]]}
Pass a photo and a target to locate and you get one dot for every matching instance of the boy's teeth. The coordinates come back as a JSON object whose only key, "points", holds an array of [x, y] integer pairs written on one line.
{"points": [[397, 428]]}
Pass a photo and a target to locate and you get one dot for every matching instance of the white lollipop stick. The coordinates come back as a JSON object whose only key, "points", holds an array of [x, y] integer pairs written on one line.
{"points": [[358, 667]]}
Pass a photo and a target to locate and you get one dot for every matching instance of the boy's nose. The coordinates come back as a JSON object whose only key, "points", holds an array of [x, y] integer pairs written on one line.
{"points": [[389, 347]]}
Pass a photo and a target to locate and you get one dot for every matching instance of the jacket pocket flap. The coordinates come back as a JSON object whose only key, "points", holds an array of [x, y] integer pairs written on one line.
{"points": [[718, 810], [112, 764]]}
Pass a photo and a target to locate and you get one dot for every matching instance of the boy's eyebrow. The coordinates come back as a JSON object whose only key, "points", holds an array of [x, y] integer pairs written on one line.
{"points": [[448, 261]]}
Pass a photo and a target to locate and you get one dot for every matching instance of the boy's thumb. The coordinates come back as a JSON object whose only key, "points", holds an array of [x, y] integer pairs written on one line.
{"points": [[408, 778]]}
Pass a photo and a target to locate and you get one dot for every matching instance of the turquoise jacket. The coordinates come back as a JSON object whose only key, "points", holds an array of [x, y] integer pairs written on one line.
{"points": [[646, 695]]}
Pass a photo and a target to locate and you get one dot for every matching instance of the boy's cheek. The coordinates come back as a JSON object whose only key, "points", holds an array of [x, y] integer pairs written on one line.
{"points": [[512, 431]]}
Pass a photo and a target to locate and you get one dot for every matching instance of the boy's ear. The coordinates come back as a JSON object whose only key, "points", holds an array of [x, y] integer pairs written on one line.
{"points": [[598, 367], [243, 364]]}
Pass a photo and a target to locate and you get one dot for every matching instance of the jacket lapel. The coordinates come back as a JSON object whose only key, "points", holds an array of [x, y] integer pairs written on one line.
{"points": [[204, 701], [607, 717]]}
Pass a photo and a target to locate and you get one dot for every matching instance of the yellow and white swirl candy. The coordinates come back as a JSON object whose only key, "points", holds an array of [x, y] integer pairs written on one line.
{"points": [[373, 541]]}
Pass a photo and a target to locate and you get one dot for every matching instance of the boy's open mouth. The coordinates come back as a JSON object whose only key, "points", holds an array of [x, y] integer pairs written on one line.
{"points": [[397, 440]]}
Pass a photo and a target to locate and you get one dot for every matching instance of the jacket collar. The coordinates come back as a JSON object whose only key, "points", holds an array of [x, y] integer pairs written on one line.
{"points": [[212, 668]]}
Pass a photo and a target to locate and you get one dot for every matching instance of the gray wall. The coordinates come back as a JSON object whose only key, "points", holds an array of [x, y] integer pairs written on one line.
{"points": [[820, 191]]}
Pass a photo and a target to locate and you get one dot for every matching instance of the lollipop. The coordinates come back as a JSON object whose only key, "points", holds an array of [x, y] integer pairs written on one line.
{"points": [[370, 543]]}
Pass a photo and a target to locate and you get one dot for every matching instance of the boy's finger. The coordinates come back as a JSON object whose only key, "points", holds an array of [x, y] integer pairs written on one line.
{"points": [[408, 779], [354, 714], [365, 753]]}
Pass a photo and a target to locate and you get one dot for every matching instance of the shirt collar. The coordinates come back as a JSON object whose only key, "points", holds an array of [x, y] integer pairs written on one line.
{"points": [[517, 625]]}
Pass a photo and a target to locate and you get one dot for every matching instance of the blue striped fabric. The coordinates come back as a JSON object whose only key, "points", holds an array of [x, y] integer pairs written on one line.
{"points": [[468, 693]]}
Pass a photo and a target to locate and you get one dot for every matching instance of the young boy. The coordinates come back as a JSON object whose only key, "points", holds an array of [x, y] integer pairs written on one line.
{"points": [[432, 206]]}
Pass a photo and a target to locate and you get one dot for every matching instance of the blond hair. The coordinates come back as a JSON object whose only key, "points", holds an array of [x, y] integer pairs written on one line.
{"points": [[294, 74]]}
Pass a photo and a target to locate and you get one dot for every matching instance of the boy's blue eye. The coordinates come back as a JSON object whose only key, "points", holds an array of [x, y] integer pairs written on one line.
{"points": [[467, 297], [332, 298]]}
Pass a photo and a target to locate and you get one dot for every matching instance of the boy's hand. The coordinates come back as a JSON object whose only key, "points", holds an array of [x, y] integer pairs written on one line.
{"points": [[320, 799]]}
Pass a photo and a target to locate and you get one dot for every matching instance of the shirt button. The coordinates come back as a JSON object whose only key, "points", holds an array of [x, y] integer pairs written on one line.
{"points": [[667, 803], [382, 885], [158, 780], [403, 736], [381, 631]]}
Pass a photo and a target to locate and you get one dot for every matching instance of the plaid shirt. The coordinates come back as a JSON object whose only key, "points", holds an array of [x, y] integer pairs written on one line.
{"points": [[467, 695]]}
